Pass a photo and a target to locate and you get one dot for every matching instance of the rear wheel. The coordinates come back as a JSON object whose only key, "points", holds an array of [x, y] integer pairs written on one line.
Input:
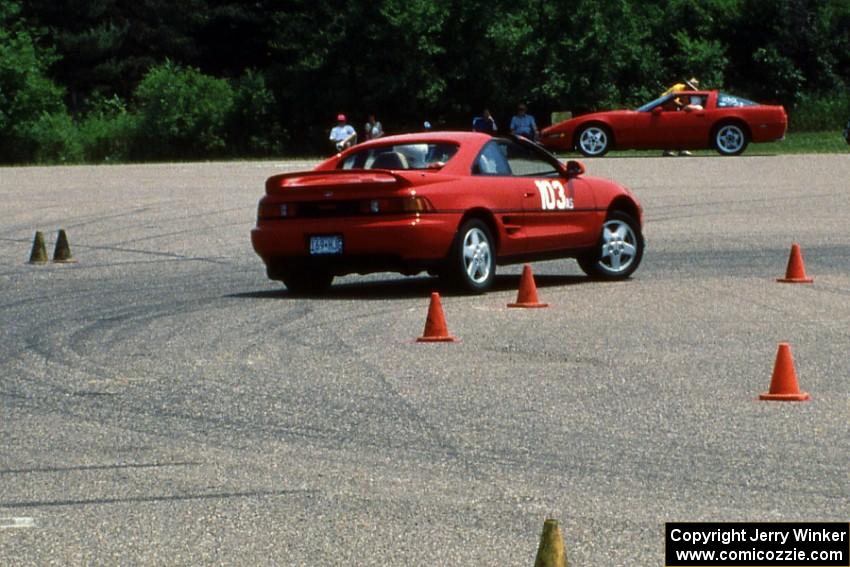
{"points": [[619, 251], [307, 281], [472, 261], [730, 139]]}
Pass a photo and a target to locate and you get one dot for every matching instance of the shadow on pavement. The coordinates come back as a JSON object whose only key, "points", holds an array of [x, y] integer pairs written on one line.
{"points": [[401, 288]]}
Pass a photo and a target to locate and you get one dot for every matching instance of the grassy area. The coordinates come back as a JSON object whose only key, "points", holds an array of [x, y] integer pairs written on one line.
{"points": [[831, 142]]}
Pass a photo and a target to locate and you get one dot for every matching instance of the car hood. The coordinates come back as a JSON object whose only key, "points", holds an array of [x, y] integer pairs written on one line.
{"points": [[603, 116]]}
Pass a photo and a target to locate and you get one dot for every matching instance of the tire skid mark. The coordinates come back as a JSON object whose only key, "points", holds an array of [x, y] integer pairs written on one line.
{"points": [[784, 198], [442, 441], [776, 309], [65, 349], [192, 231], [173, 255], [161, 498], [102, 217]]}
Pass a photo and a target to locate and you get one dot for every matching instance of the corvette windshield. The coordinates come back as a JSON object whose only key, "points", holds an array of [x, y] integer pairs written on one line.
{"points": [[652, 104], [401, 156]]}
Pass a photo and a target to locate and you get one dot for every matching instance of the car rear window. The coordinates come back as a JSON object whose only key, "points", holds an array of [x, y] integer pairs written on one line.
{"points": [[727, 101], [401, 156]]}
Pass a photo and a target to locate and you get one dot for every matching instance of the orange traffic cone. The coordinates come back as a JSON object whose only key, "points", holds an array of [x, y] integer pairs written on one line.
{"points": [[783, 383], [796, 270], [527, 294], [435, 326]]}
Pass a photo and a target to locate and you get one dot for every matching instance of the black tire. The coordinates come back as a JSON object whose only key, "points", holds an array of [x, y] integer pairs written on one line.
{"points": [[730, 139], [593, 140], [471, 265], [605, 261], [307, 281]]}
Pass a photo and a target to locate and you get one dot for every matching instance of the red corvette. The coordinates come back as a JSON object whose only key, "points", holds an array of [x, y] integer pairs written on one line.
{"points": [[684, 120], [454, 204]]}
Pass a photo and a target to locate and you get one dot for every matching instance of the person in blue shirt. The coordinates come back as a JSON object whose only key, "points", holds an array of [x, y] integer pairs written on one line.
{"points": [[484, 123], [523, 124]]}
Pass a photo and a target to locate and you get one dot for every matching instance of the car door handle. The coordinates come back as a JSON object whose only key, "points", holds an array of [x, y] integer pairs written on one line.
{"points": [[530, 194]]}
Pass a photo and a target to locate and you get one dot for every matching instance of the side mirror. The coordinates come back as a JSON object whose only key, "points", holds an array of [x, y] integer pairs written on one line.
{"points": [[657, 110], [574, 168]]}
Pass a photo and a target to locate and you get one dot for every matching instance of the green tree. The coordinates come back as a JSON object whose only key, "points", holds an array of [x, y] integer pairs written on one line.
{"points": [[182, 113], [253, 127], [105, 47], [107, 130], [29, 101]]}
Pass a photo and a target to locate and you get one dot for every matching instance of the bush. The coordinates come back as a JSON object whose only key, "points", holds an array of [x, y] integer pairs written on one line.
{"points": [[820, 112], [254, 129], [29, 100], [182, 113], [51, 138], [107, 131]]}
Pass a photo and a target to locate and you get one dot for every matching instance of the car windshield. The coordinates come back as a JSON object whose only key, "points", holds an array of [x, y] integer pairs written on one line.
{"points": [[401, 156], [652, 104], [726, 101]]}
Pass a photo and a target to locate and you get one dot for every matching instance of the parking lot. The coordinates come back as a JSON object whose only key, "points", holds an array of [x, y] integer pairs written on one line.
{"points": [[162, 402]]}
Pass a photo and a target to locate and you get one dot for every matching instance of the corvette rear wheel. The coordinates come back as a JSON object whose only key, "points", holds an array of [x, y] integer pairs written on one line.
{"points": [[730, 140], [307, 281], [619, 251], [472, 262], [594, 141]]}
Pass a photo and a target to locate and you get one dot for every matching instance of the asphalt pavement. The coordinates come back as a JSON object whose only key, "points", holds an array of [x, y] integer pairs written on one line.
{"points": [[163, 403]]}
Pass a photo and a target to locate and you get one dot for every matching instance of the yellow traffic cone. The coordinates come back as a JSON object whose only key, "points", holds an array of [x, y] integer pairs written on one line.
{"points": [[62, 252], [551, 551], [39, 250]]}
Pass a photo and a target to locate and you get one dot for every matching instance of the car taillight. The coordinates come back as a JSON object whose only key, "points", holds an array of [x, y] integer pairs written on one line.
{"points": [[268, 211], [417, 204], [397, 205]]}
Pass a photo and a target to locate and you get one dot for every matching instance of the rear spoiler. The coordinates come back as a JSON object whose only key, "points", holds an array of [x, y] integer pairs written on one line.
{"points": [[333, 178]]}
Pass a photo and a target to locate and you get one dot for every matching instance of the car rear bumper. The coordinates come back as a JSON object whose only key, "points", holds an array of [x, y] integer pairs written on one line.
{"points": [[768, 132], [403, 243]]}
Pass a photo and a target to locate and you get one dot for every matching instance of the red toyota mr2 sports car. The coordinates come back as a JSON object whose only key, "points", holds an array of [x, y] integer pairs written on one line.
{"points": [[684, 120], [453, 203]]}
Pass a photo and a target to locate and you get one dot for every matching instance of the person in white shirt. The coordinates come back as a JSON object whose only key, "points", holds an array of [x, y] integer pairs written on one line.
{"points": [[342, 135], [373, 128]]}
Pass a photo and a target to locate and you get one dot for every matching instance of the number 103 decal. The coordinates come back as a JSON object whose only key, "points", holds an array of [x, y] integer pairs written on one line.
{"points": [[553, 196]]}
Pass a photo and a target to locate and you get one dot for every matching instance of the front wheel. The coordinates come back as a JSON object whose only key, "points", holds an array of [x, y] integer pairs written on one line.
{"points": [[730, 140], [594, 141], [472, 261], [619, 251]]}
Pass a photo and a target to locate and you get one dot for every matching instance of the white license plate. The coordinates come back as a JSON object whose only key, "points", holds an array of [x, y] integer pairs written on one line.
{"points": [[325, 245]]}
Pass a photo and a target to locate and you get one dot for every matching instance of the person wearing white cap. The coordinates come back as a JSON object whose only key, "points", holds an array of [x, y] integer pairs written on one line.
{"points": [[343, 135]]}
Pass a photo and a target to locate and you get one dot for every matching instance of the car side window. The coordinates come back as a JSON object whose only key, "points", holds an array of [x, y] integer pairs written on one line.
{"points": [[491, 160], [525, 162]]}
